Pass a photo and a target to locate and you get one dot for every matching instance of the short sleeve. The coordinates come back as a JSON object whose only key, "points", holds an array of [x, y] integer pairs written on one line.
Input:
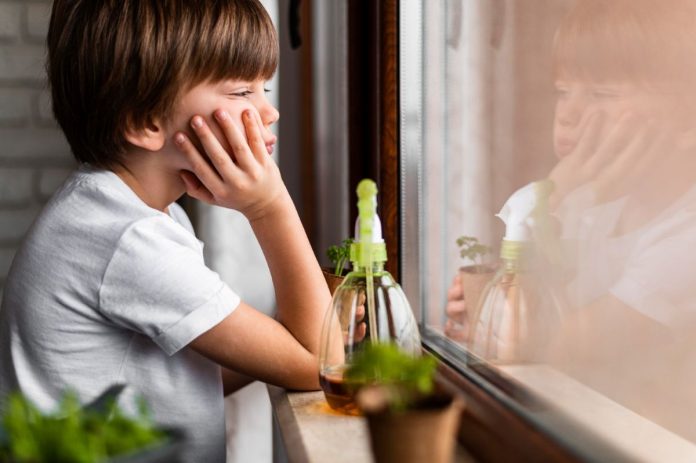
{"points": [[157, 284], [657, 280]]}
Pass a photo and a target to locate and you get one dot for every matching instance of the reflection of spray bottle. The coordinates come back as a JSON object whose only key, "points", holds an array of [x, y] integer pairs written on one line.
{"points": [[517, 309], [368, 307]]}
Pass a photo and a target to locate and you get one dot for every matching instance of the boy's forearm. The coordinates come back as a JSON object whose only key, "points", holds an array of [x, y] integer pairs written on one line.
{"points": [[301, 292]]}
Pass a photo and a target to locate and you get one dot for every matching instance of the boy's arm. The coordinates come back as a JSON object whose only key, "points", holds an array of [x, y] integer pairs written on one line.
{"points": [[233, 381], [255, 345], [283, 352]]}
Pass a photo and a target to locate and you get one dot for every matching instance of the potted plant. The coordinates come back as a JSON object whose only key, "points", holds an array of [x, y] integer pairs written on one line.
{"points": [[339, 255], [408, 418], [99, 432], [478, 273]]}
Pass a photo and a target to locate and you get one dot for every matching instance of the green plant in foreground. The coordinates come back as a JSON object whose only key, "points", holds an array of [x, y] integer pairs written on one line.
{"points": [[406, 377], [72, 433], [471, 249], [339, 255]]}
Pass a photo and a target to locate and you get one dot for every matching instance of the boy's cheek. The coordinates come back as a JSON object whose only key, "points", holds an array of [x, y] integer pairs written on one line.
{"points": [[235, 116], [236, 119]]}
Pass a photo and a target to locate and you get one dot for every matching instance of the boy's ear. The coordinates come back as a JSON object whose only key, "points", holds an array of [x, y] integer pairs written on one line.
{"points": [[150, 137]]}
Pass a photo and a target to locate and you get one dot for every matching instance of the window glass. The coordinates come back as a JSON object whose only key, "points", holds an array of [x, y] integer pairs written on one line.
{"points": [[573, 122]]}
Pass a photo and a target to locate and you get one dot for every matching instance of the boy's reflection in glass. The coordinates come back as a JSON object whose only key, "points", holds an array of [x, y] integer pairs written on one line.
{"points": [[624, 136]]}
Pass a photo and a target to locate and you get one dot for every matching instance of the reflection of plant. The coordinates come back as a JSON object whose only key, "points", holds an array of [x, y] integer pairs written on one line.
{"points": [[339, 255], [405, 377], [72, 434], [471, 249]]}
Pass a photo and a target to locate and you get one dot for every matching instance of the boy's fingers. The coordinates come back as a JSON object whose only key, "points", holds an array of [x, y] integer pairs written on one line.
{"points": [[236, 140], [635, 160], [359, 313], [455, 291], [256, 143], [195, 188], [214, 150], [645, 152], [202, 170], [618, 138], [590, 139], [456, 331], [456, 309], [593, 136]]}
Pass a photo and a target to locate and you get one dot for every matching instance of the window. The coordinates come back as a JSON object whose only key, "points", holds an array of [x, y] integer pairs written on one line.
{"points": [[496, 94]]}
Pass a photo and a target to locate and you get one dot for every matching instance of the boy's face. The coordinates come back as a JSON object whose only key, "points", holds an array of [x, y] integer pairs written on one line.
{"points": [[578, 100], [233, 96]]}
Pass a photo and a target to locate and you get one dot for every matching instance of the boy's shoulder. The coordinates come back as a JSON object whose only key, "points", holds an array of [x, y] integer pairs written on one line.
{"points": [[98, 196], [94, 209], [91, 220]]}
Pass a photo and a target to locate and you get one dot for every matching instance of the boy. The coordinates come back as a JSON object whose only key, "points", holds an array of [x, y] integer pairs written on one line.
{"points": [[109, 285], [623, 136]]}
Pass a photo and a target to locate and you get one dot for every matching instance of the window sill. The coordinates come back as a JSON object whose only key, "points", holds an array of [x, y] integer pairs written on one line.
{"points": [[534, 412], [311, 432], [630, 433]]}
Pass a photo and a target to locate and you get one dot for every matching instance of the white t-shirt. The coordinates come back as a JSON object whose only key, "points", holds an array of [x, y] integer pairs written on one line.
{"points": [[649, 269], [105, 290]]}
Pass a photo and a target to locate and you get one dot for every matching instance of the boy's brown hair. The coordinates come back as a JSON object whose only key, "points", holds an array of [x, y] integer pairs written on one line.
{"points": [[641, 41], [114, 64]]}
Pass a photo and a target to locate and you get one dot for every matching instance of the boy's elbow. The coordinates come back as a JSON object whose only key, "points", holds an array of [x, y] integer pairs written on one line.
{"points": [[305, 375], [309, 385]]}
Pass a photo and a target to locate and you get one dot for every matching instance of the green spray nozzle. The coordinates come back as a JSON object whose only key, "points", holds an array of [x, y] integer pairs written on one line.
{"points": [[369, 246], [367, 205]]}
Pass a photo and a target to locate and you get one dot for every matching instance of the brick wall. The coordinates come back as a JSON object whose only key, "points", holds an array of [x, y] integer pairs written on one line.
{"points": [[34, 156]]}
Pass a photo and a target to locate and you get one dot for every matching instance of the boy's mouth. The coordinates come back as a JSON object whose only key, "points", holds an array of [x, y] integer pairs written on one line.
{"points": [[269, 148], [564, 146]]}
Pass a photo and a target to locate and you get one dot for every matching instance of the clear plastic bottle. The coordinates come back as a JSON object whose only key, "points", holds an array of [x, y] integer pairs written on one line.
{"points": [[520, 308], [369, 306]]}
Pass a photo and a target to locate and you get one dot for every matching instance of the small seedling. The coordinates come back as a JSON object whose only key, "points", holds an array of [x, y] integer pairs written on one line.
{"points": [[72, 433], [471, 249], [407, 378], [339, 255]]}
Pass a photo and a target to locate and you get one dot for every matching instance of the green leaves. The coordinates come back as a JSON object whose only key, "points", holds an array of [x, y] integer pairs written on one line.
{"points": [[72, 434], [471, 249], [339, 255], [385, 364]]}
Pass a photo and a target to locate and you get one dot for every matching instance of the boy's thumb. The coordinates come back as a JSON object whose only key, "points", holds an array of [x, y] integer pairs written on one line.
{"points": [[186, 178], [195, 188]]}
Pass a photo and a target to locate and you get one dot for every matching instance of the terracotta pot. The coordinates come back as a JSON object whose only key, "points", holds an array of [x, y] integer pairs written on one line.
{"points": [[332, 280], [474, 279], [426, 433]]}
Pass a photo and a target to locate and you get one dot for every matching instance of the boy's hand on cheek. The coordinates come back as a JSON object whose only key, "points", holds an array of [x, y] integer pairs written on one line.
{"points": [[246, 179], [576, 169]]}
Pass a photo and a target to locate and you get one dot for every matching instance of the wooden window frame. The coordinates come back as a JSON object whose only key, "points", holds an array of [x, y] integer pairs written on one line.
{"points": [[373, 111]]}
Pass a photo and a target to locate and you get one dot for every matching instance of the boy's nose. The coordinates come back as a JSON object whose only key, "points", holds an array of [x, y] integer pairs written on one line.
{"points": [[269, 115], [570, 112]]}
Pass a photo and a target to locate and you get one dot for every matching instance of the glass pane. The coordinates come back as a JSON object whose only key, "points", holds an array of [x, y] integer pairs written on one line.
{"points": [[579, 118]]}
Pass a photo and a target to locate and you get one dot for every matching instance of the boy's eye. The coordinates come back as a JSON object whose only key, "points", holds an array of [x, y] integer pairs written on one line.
{"points": [[605, 93], [267, 90], [562, 92], [242, 93]]}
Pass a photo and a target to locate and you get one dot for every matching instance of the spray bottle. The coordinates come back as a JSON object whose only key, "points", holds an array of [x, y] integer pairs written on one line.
{"points": [[519, 306], [368, 307]]}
